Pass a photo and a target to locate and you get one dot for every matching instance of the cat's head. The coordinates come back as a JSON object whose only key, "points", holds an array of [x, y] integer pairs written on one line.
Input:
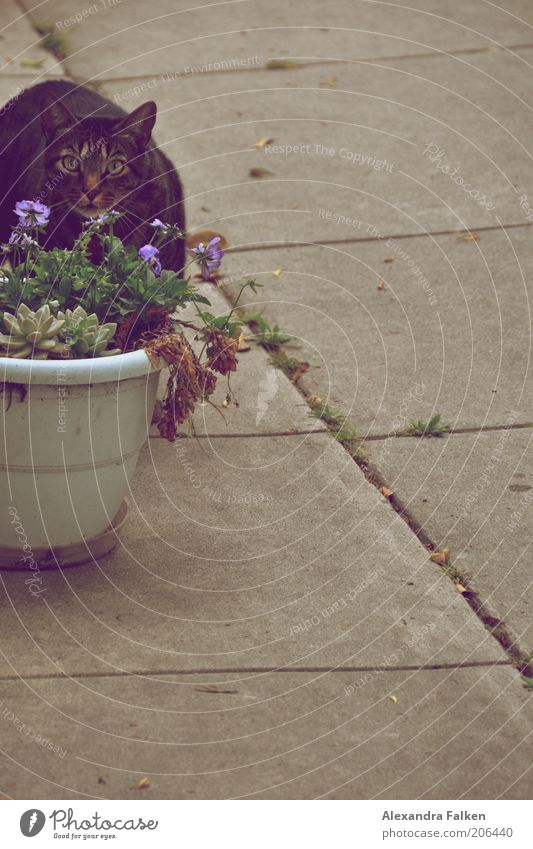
{"points": [[95, 164]]}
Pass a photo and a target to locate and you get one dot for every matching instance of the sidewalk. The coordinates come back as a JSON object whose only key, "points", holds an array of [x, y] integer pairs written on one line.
{"points": [[271, 626]]}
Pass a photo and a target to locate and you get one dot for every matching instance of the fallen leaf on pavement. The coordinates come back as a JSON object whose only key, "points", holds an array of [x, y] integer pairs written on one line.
{"points": [[331, 81], [143, 784], [393, 698], [381, 285], [277, 273], [260, 173], [32, 63], [276, 64], [302, 368], [242, 343], [388, 493], [441, 557], [460, 588], [468, 237], [192, 240], [389, 259], [260, 143]]}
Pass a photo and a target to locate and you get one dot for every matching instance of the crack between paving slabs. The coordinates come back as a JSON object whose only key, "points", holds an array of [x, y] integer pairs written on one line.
{"points": [[228, 670], [267, 246], [371, 60]]}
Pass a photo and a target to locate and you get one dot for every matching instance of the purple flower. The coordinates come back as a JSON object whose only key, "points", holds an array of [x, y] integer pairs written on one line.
{"points": [[31, 213], [150, 254], [158, 225], [208, 257], [19, 237], [103, 218]]}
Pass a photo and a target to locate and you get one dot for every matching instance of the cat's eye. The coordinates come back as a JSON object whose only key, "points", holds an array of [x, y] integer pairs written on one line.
{"points": [[115, 167], [70, 163]]}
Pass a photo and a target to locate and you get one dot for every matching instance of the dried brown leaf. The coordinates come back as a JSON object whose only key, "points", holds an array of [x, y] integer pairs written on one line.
{"points": [[441, 557], [277, 64], [242, 343], [260, 173], [302, 368], [260, 143]]}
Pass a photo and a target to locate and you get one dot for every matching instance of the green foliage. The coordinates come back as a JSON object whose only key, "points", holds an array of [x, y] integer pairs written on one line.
{"points": [[337, 425], [231, 324], [266, 334], [84, 334], [435, 427], [52, 40], [221, 322], [32, 334], [121, 284]]}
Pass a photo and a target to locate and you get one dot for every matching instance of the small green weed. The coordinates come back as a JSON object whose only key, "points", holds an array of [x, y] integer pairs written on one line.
{"points": [[434, 427]]}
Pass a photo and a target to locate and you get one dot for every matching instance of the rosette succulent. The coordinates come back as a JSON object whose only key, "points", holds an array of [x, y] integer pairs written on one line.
{"points": [[85, 335], [32, 334]]}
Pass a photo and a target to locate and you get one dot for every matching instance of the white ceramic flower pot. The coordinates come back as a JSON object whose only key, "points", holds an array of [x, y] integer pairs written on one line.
{"points": [[69, 448]]}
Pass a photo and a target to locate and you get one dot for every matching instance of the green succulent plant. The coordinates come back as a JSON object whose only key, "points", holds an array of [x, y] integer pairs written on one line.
{"points": [[85, 335], [32, 334]]}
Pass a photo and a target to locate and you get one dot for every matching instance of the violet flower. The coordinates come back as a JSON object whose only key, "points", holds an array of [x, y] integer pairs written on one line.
{"points": [[20, 238], [208, 257], [150, 254], [32, 213], [103, 218]]}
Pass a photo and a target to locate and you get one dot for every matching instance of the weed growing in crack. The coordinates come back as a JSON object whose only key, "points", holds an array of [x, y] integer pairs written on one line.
{"points": [[337, 425], [52, 41], [264, 333], [434, 427]]}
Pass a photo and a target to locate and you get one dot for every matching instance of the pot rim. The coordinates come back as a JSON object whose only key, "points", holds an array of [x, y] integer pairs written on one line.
{"points": [[66, 372]]}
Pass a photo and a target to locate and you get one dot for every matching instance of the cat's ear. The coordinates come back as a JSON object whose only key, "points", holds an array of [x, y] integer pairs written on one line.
{"points": [[55, 117], [138, 125]]}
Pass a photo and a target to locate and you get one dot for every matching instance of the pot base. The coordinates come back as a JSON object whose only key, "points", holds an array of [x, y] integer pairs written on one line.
{"points": [[76, 554]]}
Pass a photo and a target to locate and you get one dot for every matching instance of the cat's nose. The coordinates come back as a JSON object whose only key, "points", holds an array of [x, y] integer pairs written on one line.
{"points": [[91, 186], [91, 194]]}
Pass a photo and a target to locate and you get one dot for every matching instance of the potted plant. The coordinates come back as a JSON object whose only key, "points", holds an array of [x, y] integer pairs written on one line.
{"points": [[86, 332]]}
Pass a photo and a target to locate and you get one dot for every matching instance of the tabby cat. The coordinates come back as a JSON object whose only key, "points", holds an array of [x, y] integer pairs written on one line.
{"points": [[81, 155]]}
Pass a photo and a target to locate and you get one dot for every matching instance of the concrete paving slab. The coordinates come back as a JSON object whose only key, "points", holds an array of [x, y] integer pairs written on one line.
{"points": [[435, 144], [174, 36], [474, 493], [246, 552], [20, 50], [450, 332], [289, 736]]}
